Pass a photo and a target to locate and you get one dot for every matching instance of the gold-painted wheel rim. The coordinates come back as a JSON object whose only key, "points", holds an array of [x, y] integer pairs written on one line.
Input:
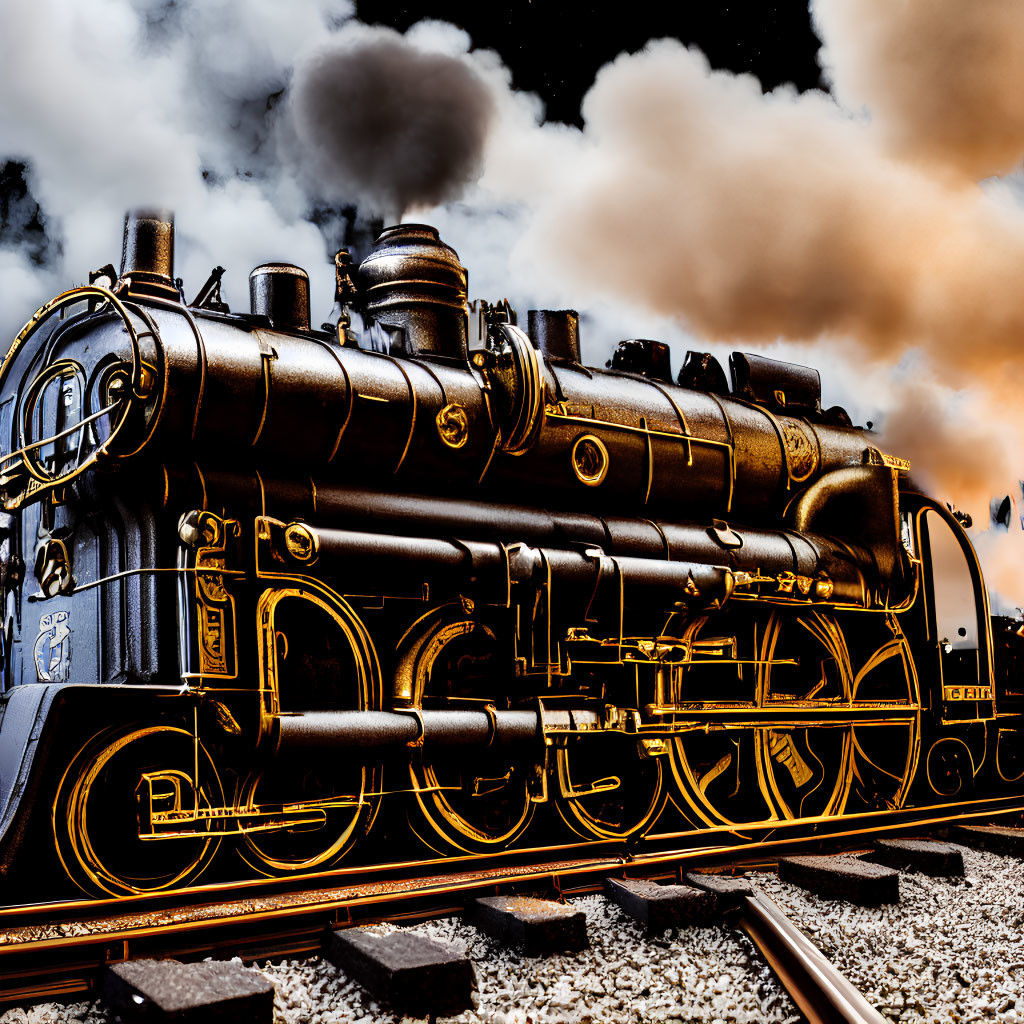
{"points": [[435, 781], [850, 761], [576, 812], [358, 785], [78, 844], [359, 820], [456, 828]]}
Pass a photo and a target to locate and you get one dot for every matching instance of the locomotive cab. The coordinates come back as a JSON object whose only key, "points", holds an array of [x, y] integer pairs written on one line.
{"points": [[954, 610]]}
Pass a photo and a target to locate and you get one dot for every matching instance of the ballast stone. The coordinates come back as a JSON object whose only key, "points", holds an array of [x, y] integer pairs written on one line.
{"points": [[940, 860], [410, 972], [662, 906], [536, 927], [200, 993], [843, 878]]}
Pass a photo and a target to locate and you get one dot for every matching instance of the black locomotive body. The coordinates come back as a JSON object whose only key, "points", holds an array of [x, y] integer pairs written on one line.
{"points": [[271, 590]]}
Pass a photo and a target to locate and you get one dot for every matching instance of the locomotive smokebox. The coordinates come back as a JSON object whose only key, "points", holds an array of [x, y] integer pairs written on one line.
{"points": [[280, 292], [414, 288], [147, 255], [556, 332]]}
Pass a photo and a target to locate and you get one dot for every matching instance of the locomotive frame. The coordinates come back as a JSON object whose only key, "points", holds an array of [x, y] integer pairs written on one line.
{"points": [[290, 599]]}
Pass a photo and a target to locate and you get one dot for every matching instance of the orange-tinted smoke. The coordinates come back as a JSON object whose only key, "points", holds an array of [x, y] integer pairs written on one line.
{"points": [[753, 217], [942, 79], [957, 449]]}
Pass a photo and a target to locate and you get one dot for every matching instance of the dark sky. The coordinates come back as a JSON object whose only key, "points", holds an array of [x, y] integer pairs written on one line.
{"points": [[555, 48]]}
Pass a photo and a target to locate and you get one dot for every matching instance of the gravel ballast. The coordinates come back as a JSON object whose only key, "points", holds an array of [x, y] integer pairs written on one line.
{"points": [[709, 974], [951, 952]]}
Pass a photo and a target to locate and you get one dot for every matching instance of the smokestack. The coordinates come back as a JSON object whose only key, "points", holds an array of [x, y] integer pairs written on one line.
{"points": [[556, 332], [147, 256], [280, 292], [414, 288]]}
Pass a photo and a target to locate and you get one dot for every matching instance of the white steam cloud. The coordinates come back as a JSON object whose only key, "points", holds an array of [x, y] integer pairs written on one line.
{"points": [[113, 104]]}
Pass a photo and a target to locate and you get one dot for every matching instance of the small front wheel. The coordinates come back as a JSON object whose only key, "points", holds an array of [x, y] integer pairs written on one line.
{"points": [[133, 812]]}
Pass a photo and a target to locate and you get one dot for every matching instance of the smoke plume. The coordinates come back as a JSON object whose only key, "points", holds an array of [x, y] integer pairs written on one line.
{"points": [[846, 230], [954, 451], [942, 80], [753, 217], [385, 122]]}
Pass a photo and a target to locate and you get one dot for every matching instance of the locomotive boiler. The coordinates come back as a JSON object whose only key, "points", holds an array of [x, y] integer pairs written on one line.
{"points": [[277, 597]]}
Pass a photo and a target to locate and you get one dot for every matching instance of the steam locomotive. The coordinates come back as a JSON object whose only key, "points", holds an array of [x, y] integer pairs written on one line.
{"points": [[266, 587]]}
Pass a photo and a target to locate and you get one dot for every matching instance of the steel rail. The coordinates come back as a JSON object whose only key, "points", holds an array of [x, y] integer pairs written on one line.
{"points": [[724, 843], [61, 949], [820, 992]]}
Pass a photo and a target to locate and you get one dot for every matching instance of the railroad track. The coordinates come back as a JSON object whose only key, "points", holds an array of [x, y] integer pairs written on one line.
{"points": [[821, 993], [60, 950]]}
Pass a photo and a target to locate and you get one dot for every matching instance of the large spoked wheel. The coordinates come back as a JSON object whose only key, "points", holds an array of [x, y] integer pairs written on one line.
{"points": [[815, 719], [310, 807], [868, 698], [476, 800], [130, 815], [805, 770], [609, 786], [713, 767], [885, 735]]}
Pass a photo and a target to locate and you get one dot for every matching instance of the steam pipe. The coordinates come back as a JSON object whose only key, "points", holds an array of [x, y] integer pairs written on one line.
{"points": [[494, 567], [392, 729]]}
